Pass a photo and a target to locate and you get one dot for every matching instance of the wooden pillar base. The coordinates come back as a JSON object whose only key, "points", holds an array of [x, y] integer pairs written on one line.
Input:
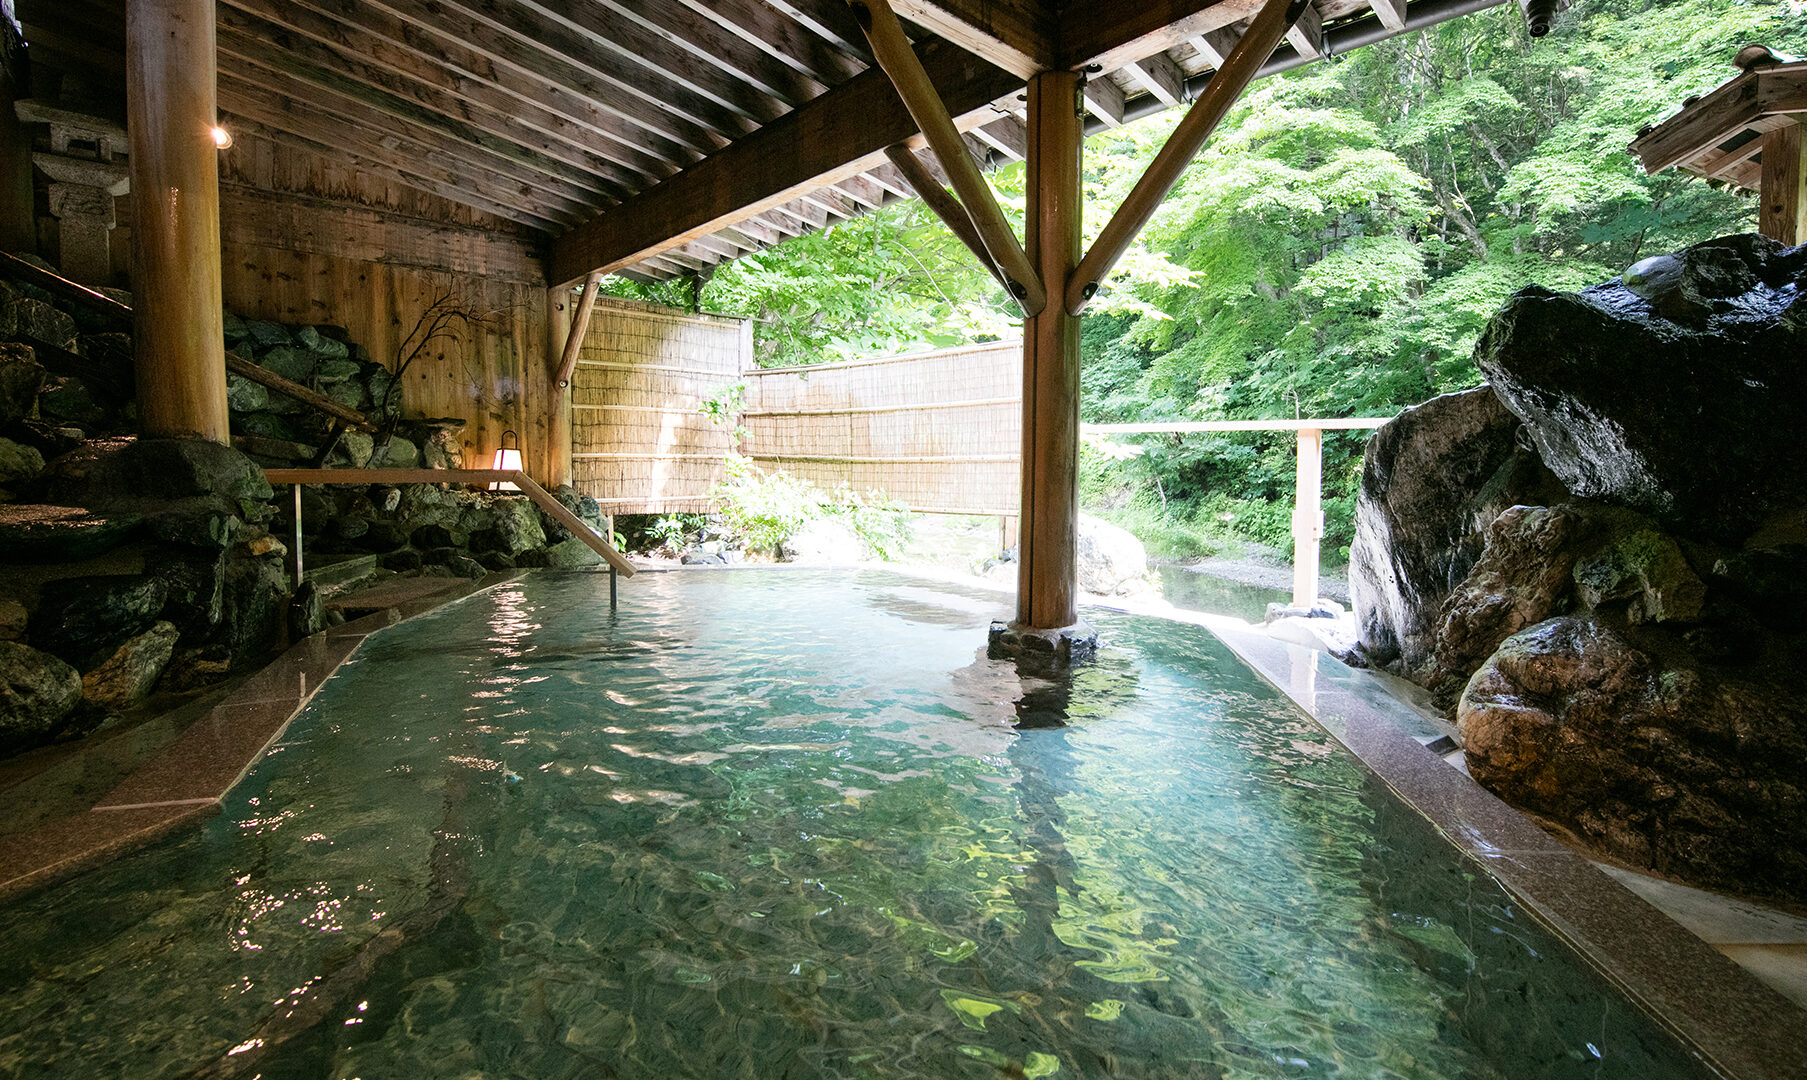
{"points": [[1037, 650]]}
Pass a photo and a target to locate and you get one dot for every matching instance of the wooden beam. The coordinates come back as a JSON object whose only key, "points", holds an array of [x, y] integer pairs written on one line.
{"points": [[1160, 76], [784, 38], [942, 204], [178, 335], [469, 73], [1307, 34], [1187, 139], [439, 88], [1110, 33], [714, 44], [275, 48], [1215, 45], [832, 21], [1391, 13], [842, 133], [1016, 35], [580, 327], [1006, 134], [1782, 206], [611, 91], [597, 34], [899, 60], [1104, 99]]}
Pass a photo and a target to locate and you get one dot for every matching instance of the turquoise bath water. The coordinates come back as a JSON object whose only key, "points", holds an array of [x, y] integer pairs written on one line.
{"points": [[794, 825]]}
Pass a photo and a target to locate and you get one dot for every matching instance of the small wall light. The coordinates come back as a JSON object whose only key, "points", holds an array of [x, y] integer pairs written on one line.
{"points": [[507, 459], [222, 138]]}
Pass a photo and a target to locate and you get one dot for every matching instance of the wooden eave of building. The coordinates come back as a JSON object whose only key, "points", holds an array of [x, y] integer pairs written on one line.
{"points": [[1719, 135], [656, 138]]}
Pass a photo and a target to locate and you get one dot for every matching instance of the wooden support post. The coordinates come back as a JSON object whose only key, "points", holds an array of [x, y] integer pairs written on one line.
{"points": [[893, 51], [1782, 214], [1308, 517], [1048, 546], [179, 333], [1238, 70], [580, 326], [558, 421]]}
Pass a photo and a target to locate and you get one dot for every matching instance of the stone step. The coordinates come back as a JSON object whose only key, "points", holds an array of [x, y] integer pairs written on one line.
{"points": [[32, 533], [330, 573]]}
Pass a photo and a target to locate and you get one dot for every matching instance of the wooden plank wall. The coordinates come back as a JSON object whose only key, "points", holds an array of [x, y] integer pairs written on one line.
{"points": [[639, 444], [310, 239], [937, 431]]}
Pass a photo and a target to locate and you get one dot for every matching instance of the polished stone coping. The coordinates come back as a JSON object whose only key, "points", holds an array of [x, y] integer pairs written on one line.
{"points": [[1738, 1026], [186, 781]]}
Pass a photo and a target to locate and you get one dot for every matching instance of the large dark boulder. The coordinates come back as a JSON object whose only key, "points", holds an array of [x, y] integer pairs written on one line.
{"points": [[36, 691], [1695, 770], [1680, 394], [1433, 479], [145, 474], [255, 608], [84, 619]]}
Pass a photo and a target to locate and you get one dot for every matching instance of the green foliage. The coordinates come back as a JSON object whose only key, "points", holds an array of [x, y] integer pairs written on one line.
{"points": [[765, 509], [1353, 226]]}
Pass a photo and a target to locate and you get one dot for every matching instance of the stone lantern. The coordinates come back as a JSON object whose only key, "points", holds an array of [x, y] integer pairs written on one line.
{"points": [[87, 168]]}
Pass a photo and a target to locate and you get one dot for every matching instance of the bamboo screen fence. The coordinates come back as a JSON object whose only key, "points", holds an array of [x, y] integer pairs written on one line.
{"points": [[639, 444], [940, 432]]}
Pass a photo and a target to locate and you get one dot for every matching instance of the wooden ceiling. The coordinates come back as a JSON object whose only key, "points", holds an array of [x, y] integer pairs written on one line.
{"points": [[659, 137]]}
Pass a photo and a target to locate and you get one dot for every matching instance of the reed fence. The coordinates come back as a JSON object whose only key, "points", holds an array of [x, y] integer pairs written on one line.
{"points": [[639, 442], [939, 432]]}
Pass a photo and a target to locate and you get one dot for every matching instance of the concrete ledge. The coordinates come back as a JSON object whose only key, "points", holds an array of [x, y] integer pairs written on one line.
{"points": [[186, 781]]}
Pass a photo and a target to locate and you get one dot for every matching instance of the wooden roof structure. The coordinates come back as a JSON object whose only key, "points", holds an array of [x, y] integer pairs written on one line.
{"points": [[1746, 132], [657, 138]]}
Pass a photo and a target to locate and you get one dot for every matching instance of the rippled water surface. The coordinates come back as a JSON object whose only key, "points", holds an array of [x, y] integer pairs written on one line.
{"points": [[772, 825]]}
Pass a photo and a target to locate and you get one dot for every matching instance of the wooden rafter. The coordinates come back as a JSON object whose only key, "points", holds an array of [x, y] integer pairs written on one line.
{"points": [[1015, 35], [841, 133]]}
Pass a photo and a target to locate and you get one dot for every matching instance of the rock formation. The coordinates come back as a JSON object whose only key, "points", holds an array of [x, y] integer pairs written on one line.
{"points": [[132, 566], [1615, 620]]}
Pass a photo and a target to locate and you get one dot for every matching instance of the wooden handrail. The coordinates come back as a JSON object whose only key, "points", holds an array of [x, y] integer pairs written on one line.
{"points": [[1356, 423], [540, 496]]}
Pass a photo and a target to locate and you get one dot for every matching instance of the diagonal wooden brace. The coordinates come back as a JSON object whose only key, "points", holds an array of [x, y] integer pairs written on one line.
{"points": [[1239, 69], [580, 326], [944, 205], [894, 54]]}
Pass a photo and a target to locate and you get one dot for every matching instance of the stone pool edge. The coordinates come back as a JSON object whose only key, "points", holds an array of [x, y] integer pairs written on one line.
{"points": [[1735, 1024], [187, 780]]}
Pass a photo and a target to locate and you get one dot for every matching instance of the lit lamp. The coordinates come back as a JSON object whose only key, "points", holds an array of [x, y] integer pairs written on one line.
{"points": [[222, 139], [508, 459]]}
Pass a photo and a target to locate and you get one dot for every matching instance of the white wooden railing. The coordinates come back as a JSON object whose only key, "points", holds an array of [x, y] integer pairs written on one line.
{"points": [[1308, 499]]}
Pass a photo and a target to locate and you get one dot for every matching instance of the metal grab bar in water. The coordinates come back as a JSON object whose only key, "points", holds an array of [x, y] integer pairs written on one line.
{"points": [[542, 498]]}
